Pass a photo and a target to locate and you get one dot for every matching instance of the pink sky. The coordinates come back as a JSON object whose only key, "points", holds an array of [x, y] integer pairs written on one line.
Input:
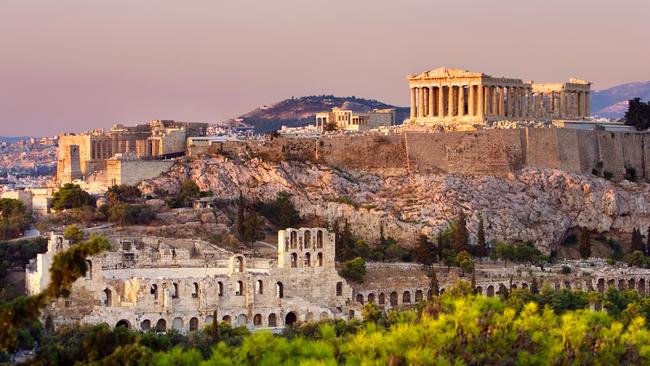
{"points": [[75, 65]]}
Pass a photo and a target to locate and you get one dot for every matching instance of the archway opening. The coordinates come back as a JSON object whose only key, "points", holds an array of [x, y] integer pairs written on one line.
{"points": [[123, 324], [290, 319]]}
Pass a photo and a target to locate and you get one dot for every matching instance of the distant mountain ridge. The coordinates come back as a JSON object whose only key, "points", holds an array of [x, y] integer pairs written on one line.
{"points": [[295, 112], [612, 102], [13, 139]]}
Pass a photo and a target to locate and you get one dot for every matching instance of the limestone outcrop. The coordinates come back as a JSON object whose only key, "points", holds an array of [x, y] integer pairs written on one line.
{"points": [[537, 205]]}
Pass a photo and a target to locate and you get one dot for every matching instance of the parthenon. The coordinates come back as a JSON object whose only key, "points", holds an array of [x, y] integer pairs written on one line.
{"points": [[453, 96]]}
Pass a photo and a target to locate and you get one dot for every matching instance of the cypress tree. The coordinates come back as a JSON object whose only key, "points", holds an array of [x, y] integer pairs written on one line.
{"points": [[584, 244], [480, 239], [637, 241]]}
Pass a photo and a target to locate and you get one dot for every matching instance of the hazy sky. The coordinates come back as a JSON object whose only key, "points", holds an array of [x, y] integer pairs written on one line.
{"points": [[74, 65]]}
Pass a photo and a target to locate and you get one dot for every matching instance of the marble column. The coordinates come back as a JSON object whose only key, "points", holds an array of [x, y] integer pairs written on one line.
{"points": [[441, 101], [471, 104], [461, 100], [501, 90], [420, 102], [450, 101], [479, 105], [583, 105], [412, 103], [587, 104], [562, 104], [431, 102], [495, 101]]}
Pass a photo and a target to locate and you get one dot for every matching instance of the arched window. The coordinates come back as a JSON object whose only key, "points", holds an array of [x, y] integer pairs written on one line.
{"points": [[177, 324], [294, 240], [319, 239], [260, 287], [239, 291], [161, 325], [319, 259], [124, 324], [174, 291], [307, 260], [220, 288], [273, 320], [294, 260], [240, 264], [360, 298], [339, 289], [371, 297], [382, 298], [257, 320], [154, 291], [242, 319], [279, 290], [418, 295], [194, 324], [307, 239], [195, 290], [406, 297], [393, 298], [107, 297], [227, 319], [145, 325]]}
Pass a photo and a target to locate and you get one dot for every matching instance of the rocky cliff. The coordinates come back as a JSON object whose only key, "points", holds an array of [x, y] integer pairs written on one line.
{"points": [[537, 205]]}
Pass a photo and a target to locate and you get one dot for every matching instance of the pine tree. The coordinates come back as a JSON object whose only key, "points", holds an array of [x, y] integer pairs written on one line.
{"points": [[434, 286], [460, 235], [424, 251], [480, 239], [584, 243], [637, 241]]}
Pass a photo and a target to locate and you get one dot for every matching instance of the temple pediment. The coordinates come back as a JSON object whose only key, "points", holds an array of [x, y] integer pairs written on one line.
{"points": [[445, 72]]}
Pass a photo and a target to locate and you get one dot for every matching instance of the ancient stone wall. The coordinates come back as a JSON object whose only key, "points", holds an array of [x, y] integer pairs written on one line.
{"points": [[489, 152], [132, 172]]}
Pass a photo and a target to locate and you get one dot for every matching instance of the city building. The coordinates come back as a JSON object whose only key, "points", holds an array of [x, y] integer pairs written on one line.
{"points": [[348, 120]]}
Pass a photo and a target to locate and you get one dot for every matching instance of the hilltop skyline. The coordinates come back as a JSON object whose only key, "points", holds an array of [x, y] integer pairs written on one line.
{"points": [[75, 65]]}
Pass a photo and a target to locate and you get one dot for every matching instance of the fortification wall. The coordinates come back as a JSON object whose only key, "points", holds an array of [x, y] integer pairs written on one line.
{"points": [[490, 152]]}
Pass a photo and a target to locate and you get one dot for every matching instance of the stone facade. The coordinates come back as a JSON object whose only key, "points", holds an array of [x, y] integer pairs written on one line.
{"points": [[445, 96], [347, 120], [81, 155], [158, 283], [121, 169]]}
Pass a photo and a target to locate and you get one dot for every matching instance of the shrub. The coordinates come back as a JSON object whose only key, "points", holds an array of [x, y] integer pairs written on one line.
{"points": [[14, 218], [73, 233], [71, 196], [123, 193], [125, 214], [630, 173], [281, 212], [608, 175], [354, 269], [566, 270]]}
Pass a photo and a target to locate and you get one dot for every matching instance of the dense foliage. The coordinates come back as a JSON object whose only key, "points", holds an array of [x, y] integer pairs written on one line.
{"points": [[71, 196], [14, 218], [354, 269], [457, 328], [16, 254], [126, 214], [280, 212], [638, 114], [123, 193]]}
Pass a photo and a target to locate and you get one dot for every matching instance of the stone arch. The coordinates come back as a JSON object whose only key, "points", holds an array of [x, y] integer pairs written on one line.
{"points": [[393, 298], [641, 286], [194, 324], [319, 239], [145, 325], [319, 260], [260, 287], [309, 316], [273, 320], [339, 289], [478, 290], [294, 239], [611, 283], [227, 319], [107, 297], [307, 259], [209, 319], [406, 297], [503, 291], [360, 298], [621, 284], [279, 290], [257, 320], [631, 284], [513, 286], [294, 260], [177, 324], [382, 299], [567, 284], [220, 288], [239, 288], [307, 239], [418, 295], [123, 323], [161, 325], [371, 297], [174, 290], [291, 318], [524, 285], [600, 285], [490, 291], [324, 315], [242, 319], [239, 262]]}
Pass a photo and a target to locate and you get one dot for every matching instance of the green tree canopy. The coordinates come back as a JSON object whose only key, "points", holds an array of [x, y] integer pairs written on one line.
{"points": [[71, 196], [14, 218], [638, 114]]}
